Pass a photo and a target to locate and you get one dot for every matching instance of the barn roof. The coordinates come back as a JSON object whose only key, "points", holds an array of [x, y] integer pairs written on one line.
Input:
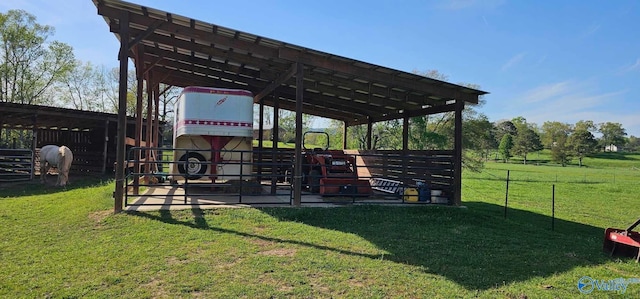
{"points": [[23, 116], [182, 51]]}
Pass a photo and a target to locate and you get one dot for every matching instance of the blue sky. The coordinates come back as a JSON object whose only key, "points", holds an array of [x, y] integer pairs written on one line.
{"points": [[543, 60]]}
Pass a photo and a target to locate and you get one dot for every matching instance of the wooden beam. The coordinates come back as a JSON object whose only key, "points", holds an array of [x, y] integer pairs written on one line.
{"points": [[345, 66], [411, 113], [315, 104], [275, 137], [105, 147], [139, 65], [323, 83], [144, 34], [392, 96], [154, 54], [345, 131], [356, 108], [260, 139], [457, 148], [149, 66], [276, 83], [369, 134], [187, 32], [122, 111], [405, 145], [297, 176], [149, 132]]}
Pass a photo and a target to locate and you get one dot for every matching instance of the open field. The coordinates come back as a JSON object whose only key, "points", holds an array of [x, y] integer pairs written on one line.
{"points": [[67, 243]]}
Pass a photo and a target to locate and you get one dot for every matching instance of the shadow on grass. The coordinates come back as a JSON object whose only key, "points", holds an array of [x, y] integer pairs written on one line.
{"points": [[35, 187], [475, 247], [615, 156], [201, 223]]}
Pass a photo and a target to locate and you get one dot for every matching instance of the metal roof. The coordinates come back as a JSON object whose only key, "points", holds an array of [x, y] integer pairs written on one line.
{"points": [[183, 52]]}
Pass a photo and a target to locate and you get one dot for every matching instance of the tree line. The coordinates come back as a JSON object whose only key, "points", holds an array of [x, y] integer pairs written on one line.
{"points": [[36, 70]]}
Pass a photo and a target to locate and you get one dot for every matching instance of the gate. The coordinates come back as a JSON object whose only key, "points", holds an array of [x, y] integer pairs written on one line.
{"points": [[150, 181]]}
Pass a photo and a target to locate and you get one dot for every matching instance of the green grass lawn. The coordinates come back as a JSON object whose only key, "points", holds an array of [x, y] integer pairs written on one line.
{"points": [[67, 243], [269, 144]]}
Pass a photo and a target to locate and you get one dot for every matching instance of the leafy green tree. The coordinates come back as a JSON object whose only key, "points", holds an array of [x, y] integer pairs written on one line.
{"points": [[612, 134], [553, 132], [633, 143], [83, 88], [506, 145], [526, 141], [504, 127], [30, 64], [586, 125], [519, 122], [388, 135], [112, 88], [288, 124], [582, 143], [431, 131], [478, 136], [561, 151]]}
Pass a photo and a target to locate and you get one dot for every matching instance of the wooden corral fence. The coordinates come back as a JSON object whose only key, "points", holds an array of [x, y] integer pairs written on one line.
{"points": [[273, 162], [16, 165], [435, 168], [88, 147]]}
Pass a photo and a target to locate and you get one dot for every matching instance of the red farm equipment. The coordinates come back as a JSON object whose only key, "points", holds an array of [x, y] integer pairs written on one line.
{"points": [[624, 242], [331, 172]]}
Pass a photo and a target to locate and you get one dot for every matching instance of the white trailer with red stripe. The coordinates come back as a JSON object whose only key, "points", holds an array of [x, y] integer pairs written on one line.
{"points": [[212, 134]]}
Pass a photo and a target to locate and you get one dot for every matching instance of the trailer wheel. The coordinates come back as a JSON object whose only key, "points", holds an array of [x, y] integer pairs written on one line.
{"points": [[195, 164]]}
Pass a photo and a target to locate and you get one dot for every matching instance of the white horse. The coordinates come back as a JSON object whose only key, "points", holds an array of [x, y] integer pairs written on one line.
{"points": [[58, 157]]}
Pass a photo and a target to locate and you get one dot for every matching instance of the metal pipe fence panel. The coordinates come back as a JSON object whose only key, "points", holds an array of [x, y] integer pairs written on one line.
{"points": [[220, 177]]}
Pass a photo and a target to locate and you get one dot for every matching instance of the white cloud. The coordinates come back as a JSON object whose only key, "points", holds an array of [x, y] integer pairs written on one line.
{"points": [[570, 101], [541, 60], [546, 92], [591, 30], [635, 66], [513, 61]]}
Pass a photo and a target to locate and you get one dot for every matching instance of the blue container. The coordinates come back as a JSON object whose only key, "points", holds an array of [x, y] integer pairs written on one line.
{"points": [[424, 194]]}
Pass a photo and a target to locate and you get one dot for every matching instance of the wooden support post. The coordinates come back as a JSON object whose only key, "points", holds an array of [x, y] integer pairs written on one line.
{"points": [[275, 137], [297, 176], [369, 133], [260, 137], [139, 65], [122, 112], [105, 147], [405, 146], [457, 148], [156, 123], [34, 145], [344, 135], [148, 158]]}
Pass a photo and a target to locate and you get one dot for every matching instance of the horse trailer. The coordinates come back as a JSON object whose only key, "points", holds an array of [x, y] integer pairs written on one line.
{"points": [[212, 134]]}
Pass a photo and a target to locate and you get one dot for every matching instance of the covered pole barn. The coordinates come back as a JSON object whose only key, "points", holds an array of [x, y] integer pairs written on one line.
{"points": [[90, 135], [180, 51]]}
